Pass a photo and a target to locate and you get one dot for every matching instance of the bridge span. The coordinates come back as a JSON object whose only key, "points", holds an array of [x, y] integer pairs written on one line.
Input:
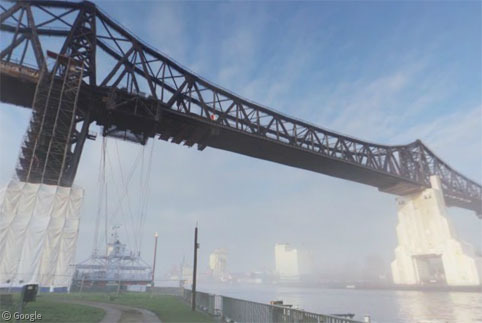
{"points": [[144, 94]]}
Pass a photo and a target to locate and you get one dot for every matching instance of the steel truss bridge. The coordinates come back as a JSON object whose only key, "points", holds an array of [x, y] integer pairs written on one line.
{"points": [[103, 73]]}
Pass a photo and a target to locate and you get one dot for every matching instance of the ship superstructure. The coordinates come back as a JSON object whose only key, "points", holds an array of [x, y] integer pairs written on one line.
{"points": [[117, 266]]}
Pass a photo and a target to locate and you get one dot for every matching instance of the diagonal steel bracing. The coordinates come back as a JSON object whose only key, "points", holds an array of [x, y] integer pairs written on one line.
{"points": [[137, 93]]}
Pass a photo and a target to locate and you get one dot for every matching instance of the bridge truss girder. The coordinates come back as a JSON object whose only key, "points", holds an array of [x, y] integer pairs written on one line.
{"points": [[139, 92]]}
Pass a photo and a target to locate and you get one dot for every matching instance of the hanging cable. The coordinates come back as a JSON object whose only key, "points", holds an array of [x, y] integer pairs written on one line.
{"points": [[146, 194], [100, 197], [132, 214], [123, 196]]}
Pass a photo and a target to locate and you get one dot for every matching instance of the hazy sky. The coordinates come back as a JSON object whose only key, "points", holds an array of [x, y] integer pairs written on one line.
{"points": [[385, 72]]}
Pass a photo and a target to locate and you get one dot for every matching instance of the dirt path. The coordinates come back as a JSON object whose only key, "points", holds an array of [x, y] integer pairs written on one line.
{"points": [[115, 313]]}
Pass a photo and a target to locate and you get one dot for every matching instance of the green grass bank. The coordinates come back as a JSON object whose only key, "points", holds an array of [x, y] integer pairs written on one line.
{"points": [[53, 311], [167, 308]]}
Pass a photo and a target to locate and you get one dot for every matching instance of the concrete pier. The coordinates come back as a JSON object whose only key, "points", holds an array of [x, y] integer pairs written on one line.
{"points": [[428, 250]]}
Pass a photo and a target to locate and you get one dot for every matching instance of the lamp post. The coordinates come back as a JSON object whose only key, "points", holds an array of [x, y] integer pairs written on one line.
{"points": [[194, 271]]}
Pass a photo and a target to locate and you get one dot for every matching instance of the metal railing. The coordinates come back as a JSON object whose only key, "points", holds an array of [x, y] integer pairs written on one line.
{"points": [[205, 302], [238, 310], [202, 301]]}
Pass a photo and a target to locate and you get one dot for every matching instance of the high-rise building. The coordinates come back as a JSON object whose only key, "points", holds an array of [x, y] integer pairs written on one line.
{"points": [[286, 259], [217, 263]]}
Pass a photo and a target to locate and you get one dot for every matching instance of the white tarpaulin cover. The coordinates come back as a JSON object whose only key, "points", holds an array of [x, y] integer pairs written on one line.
{"points": [[39, 225]]}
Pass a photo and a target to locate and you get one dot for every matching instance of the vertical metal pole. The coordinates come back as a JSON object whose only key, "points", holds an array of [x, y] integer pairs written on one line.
{"points": [[119, 285], [194, 271], [82, 284], [154, 261]]}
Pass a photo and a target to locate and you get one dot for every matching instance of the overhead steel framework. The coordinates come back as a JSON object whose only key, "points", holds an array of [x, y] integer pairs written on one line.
{"points": [[47, 155], [138, 93]]}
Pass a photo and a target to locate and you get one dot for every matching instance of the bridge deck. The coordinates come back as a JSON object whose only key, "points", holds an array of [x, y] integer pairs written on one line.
{"points": [[17, 86]]}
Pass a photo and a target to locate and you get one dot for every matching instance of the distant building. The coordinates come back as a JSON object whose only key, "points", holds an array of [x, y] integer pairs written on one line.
{"points": [[286, 259], [217, 263], [182, 273], [186, 274], [305, 263]]}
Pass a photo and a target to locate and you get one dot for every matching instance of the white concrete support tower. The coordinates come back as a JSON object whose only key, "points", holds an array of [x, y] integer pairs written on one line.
{"points": [[428, 251]]}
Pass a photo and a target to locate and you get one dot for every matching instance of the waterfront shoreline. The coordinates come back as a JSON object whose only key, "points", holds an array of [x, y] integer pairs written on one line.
{"points": [[372, 286]]}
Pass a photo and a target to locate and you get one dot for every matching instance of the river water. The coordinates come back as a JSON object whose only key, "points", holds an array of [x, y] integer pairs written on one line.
{"points": [[387, 306]]}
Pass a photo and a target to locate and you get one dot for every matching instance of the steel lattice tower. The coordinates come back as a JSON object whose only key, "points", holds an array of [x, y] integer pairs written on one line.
{"points": [[46, 153]]}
